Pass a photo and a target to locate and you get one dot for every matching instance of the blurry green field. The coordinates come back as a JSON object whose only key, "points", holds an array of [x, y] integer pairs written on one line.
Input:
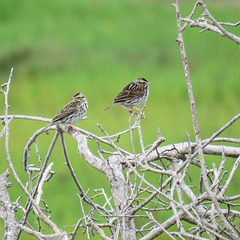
{"points": [[97, 47]]}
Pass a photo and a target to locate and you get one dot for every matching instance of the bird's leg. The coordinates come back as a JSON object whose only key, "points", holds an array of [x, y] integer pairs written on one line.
{"points": [[130, 111], [140, 110], [73, 128]]}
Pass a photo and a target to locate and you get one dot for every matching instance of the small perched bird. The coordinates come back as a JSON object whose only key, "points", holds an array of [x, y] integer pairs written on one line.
{"points": [[133, 95], [72, 112]]}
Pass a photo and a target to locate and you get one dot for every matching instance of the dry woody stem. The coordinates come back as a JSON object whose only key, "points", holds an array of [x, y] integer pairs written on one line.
{"points": [[151, 194]]}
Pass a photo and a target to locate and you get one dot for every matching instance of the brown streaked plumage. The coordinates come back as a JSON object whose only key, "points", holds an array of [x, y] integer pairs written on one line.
{"points": [[133, 95], [72, 112]]}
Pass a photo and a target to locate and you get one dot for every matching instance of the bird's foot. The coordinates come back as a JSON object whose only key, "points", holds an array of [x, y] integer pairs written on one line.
{"points": [[72, 128]]}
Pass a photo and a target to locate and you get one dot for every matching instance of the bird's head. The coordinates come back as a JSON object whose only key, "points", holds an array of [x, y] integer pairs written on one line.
{"points": [[142, 82], [78, 97]]}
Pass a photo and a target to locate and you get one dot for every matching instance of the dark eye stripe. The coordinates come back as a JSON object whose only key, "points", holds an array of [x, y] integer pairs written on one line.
{"points": [[142, 79]]}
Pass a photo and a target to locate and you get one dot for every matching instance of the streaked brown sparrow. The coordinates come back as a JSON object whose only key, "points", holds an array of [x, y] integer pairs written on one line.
{"points": [[72, 112], [133, 95]]}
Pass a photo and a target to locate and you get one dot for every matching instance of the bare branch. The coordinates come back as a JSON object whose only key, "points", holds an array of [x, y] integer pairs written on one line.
{"points": [[40, 236], [209, 23], [38, 211], [25, 117], [145, 184], [6, 210]]}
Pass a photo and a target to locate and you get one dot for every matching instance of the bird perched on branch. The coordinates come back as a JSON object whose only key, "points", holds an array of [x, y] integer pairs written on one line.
{"points": [[72, 112], [133, 95]]}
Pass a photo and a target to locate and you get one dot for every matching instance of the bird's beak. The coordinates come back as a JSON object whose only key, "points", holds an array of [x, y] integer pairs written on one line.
{"points": [[149, 83]]}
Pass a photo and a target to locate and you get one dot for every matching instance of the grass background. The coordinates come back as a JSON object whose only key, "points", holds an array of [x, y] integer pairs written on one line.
{"points": [[98, 47]]}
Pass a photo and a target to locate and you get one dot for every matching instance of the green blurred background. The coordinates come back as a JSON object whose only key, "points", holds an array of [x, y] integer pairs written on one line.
{"points": [[97, 47]]}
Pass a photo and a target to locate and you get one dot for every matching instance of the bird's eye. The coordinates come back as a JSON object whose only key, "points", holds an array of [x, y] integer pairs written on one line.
{"points": [[143, 80]]}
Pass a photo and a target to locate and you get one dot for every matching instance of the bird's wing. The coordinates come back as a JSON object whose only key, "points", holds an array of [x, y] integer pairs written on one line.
{"points": [[130, 91], [67, 110]]}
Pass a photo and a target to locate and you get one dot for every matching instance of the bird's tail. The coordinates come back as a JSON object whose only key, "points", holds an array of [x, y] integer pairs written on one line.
{"points": [[109, 106]]}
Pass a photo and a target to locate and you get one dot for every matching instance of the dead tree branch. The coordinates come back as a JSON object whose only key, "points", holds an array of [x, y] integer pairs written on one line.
{"points": [[170, 189]]}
